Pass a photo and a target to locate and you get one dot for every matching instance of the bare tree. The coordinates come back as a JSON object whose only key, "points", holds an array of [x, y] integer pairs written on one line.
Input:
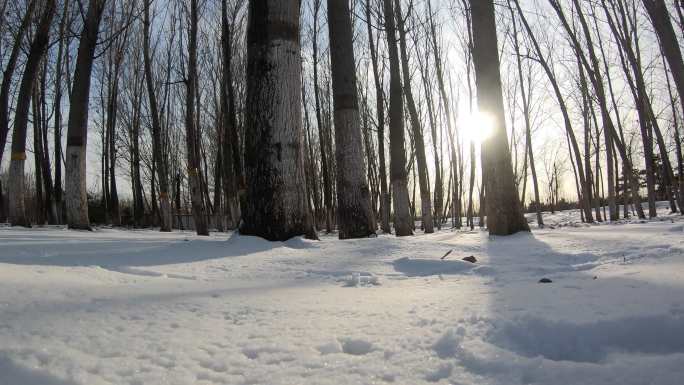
{"points": [[380, 121], [191, 129], [17, 213], [504, 214], [77, 132], [403, 222], [274, 145]]}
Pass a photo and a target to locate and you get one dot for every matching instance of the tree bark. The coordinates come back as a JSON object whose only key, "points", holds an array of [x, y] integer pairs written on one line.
{"points": [[276, 207], [504, 214], [660, 18], [17, 211], [402, 215], [7, 75], [354, 214], [77, 132]]}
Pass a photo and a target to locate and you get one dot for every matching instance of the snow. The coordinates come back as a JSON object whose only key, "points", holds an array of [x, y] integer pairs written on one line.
{"points": [[143, 307]]}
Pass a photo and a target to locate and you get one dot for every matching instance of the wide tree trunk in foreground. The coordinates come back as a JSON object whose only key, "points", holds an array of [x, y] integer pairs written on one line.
{"points": [[77, 132], [504, 214], [403, 221], [355, 217], [276, 207], [17, 212]]}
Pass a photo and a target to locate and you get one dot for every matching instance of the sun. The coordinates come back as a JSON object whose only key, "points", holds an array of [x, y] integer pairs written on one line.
{"points": [[476, 127]]}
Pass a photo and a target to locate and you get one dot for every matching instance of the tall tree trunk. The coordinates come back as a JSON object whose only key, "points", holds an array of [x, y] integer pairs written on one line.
{"points": [[228, 123], [159, 158], [355, 217], [322, 137], [41, 97], [58, 113], [677, 138], [402, 216], [438, 194], [444, 98], [504, 214], [8, 73], [191, 129], [416, 129], [528, 125], [17, 211], [660, 18], [630, 60], [380, 112], [112, 109], [39, 202], [593, 69], [77, 132], [276, 207]]}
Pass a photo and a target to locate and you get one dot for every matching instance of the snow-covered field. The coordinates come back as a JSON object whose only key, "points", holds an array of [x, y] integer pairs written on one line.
{"points": [[141, 307]]}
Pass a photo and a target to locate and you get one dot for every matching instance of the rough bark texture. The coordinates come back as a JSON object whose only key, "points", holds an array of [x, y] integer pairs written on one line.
{"points": [[77, 132], [354, 214], [403, 222], [504, 214], [17, 212], [276, 207]]}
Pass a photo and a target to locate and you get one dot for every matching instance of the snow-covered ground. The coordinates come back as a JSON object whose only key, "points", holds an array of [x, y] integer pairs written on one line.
{"points": [[141, 307]]}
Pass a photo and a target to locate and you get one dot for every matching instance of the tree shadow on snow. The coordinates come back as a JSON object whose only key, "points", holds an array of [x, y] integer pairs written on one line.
{"points": [[582, 327], [11, 373], [113, 253]]}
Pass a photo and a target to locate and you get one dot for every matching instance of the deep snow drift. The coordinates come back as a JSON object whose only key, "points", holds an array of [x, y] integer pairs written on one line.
{"points": [[141, 307]]}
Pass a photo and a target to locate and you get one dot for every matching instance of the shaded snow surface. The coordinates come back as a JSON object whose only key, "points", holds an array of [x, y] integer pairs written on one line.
{"points": [[143, 307]]}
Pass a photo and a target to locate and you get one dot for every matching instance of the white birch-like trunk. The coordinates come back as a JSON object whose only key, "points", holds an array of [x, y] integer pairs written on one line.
{"points": [[76, 193], [16, 188]]}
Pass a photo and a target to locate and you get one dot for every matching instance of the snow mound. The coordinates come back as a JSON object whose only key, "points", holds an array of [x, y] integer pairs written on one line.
{"points": [[11, 373], [361, 279], [356, 346], [330, 347], [591, 342], [449, 344], [426, 267]]}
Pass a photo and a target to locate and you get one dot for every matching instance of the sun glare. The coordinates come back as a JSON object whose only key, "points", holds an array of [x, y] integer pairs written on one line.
{"points": [[476, 127]]}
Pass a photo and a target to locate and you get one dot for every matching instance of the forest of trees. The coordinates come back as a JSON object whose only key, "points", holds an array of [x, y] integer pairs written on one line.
{"points": [[285, 117]]}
